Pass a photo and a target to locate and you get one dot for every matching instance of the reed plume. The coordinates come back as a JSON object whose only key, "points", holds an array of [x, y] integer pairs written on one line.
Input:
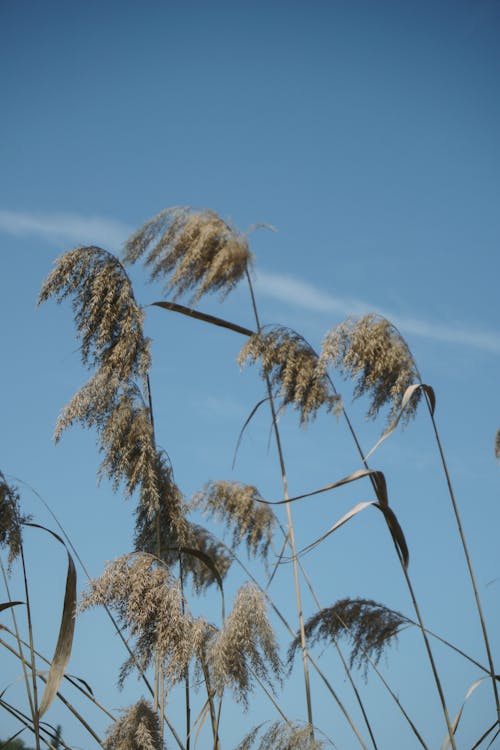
{"points": [[291, 365], [372, 351], [195, 251], [147, 601], [282, 736], [137, 729], [11, 519], [237, 505], [370, 627], [107, 317], [244, 645]]}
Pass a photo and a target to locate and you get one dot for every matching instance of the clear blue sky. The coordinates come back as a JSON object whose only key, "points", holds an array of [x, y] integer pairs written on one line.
{"points": [[368, 135]]}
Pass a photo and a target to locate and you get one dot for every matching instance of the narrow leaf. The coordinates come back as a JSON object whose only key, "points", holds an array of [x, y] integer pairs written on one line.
{"points": [[247, 422], [66, 630], [203, 316], [457, 718], [6, 605], [64, 642], [347, 517], [359, 474], [396, 533]]}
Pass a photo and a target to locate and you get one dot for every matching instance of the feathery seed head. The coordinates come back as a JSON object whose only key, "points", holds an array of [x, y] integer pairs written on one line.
{"points": [[11, 519], [237, 505], [497, 444], [282, 736], [169, 513], [147, 600], [200, 539], [108, 319], [137, 729], [246, 643], [370, 627], [292, 364], [194, 250], [372, 350]]}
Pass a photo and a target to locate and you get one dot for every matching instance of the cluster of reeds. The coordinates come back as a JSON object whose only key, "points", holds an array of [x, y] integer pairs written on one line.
{"points": [[144, 592]]}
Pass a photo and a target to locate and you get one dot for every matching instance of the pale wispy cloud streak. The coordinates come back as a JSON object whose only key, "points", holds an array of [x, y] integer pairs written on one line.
{"points": [[70, 229], [75, 229], [299, 293]]}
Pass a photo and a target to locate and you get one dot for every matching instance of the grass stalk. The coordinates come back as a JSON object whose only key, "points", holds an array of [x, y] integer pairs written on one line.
{"points": [[468, 559], [69, 679], [19, 642], [293, 634], [106, 608], [342, 659], [36, 717], [411, 591], [291, 532], [210, 696], [61, 697]]}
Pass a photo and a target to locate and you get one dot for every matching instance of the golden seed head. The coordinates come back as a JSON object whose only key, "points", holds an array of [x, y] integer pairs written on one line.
{"points": [[245, 644], [11, 519], [372, 351], [194, 251], [369, 626], [138, 728], [237, 505], [291, 365], [147, 600]]}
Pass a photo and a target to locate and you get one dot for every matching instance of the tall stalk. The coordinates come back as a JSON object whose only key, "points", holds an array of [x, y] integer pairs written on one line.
{"points": [[461, 533], [36, 716], [291, 533], [158, 668], [411, 590], [467, 558]]}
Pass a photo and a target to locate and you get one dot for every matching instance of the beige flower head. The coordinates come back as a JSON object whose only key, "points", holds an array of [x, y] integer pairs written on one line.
{"points": [[147, 600], [108, 319], [194, 251], [245, 645], [138, 728], [373, 351], [281, 736], [238, 506], [291, 364], [10, 519], [369, 626]]}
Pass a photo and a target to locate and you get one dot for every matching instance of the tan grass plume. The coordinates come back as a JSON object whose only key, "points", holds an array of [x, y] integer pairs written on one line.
{"points": [[237, 506], [372, 351], [291, 365], [194, 251], [138, 728]]}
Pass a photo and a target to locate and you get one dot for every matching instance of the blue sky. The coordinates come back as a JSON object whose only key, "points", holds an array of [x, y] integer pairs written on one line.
{"points": [[367, 135]]}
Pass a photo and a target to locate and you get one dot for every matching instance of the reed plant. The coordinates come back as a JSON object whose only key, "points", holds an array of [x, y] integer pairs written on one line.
{"points": [[179, 561]]}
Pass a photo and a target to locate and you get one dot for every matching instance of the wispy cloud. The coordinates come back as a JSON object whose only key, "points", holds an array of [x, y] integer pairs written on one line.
{"points": [[298, 293], [75, 229], [71, 229]]}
